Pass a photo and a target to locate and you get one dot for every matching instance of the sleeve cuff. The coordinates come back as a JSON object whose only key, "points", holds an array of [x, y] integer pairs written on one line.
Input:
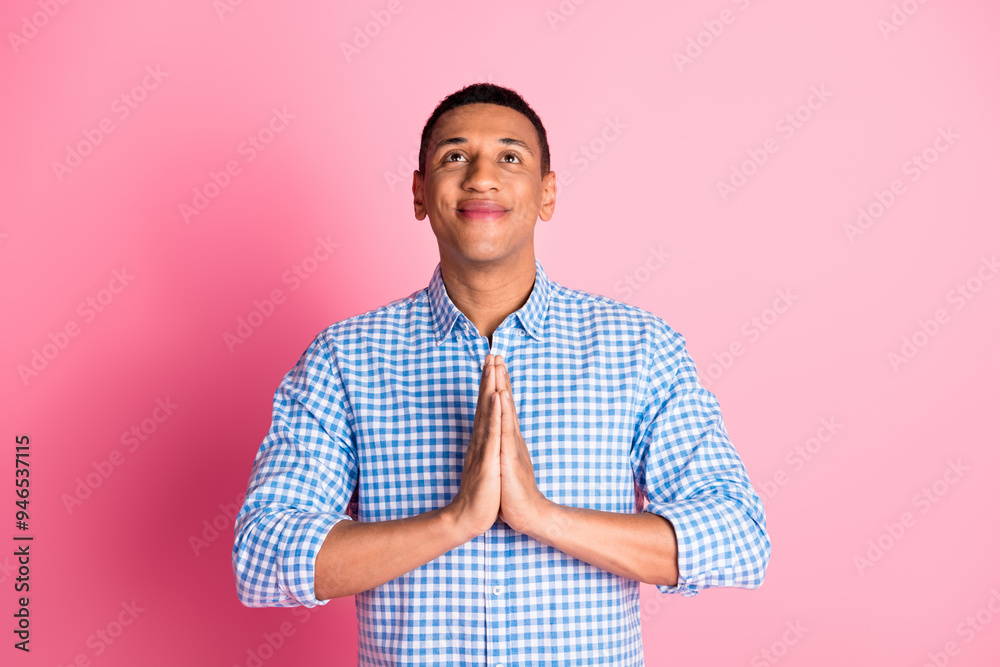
{"points": [[287, 579], [697, 527], [303, 535]]}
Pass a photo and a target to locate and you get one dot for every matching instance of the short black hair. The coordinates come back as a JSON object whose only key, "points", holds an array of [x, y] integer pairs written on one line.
{"points": [[485, 93]]}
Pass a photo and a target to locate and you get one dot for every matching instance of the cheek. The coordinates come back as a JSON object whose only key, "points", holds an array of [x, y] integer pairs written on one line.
{"points": [[529, 199]]}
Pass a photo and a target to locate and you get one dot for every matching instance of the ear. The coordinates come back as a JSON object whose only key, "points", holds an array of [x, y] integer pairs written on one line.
{"points": [[548, 206], [418, 195]]}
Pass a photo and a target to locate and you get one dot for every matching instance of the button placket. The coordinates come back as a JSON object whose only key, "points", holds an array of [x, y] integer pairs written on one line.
{"points": [[496, 608]]}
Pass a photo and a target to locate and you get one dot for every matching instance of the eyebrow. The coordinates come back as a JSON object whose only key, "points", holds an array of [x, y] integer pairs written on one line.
{"points": [[507, 141]]}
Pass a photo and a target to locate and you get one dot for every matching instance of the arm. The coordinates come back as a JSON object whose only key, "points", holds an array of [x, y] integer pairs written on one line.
{"points": [[638, 546], [295, 544], [693, 476], [704, 525], [301, 483], [358, 556]]}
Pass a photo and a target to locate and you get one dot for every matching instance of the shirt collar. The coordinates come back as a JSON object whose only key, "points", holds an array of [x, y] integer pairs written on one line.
{"points": [[444, 312]]}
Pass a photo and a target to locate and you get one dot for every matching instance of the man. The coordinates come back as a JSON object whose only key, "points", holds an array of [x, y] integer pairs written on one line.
{"points": [[499, 434]]}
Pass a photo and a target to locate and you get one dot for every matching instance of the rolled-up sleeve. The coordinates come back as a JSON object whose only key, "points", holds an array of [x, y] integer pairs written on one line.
{"points": [[691, 474], [301, 483]]}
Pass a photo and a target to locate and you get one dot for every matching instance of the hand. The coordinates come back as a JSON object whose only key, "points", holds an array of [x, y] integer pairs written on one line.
{"points": [[476, 506], [521, 503]]}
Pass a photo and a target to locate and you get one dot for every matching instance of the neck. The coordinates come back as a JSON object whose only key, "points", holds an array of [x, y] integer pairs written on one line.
{"points": [[488, 293]]}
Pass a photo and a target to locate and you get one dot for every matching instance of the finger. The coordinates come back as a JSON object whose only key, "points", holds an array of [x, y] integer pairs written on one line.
{"points": [[503, 383], [501, 372], [493, 433], [509, 407], [496, 374], [483, 406], [491, 380], [507, 418], [487, 381], [490, 364]]}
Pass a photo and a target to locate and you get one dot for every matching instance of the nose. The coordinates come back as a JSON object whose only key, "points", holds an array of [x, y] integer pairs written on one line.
{"points": [[481, 175]]}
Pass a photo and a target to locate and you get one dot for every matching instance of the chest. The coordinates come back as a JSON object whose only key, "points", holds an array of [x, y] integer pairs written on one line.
{"points": [[414, 415]]}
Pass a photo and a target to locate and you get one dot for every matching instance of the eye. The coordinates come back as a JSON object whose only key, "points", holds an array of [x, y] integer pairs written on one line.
{"points": [[516, 157], [447, 158]]}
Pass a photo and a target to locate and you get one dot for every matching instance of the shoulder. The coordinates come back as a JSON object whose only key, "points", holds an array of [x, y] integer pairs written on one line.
{"points": [[402, 318], [635, 337], [600, 313]]}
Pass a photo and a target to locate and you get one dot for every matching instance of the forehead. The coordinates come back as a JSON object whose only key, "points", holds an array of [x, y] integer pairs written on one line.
{"points": [[486, 122]]}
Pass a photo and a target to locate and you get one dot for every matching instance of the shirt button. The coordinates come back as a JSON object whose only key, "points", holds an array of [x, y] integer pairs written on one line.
{"points": [[497, 590], [522, 333]]}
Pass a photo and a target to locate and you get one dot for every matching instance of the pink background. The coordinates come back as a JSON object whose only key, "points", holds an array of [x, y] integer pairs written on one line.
{"points": [[660, 135]]}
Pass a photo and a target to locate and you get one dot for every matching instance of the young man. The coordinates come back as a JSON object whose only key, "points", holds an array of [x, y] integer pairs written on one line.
{"points": [[521, 454]]}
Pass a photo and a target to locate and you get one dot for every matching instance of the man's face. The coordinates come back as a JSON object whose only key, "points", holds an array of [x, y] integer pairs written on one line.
{"points": [[483, 189]]}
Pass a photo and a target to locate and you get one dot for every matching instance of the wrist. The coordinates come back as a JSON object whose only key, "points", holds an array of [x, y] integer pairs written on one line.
{"points": [[544, 522], [450, 523]]}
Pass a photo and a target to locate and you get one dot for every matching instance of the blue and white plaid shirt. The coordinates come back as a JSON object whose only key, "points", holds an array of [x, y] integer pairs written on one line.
{"points": [[610, 406]]}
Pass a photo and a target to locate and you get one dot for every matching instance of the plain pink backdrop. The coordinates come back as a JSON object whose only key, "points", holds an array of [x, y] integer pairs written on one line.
{"points": [[865, 377]]}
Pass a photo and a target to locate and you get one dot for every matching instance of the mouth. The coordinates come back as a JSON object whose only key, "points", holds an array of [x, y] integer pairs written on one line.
{"points": [[481, 209]]}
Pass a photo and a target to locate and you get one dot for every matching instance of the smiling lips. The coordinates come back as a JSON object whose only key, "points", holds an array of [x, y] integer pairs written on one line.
{"points": [[481, 209]]}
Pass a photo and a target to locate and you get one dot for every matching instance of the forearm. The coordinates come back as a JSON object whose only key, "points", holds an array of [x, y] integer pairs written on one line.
{"points": [[638, 546], [357, 556]]}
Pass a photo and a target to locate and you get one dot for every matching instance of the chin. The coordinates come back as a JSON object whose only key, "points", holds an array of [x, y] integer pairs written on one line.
{"points": [[480, 257]]}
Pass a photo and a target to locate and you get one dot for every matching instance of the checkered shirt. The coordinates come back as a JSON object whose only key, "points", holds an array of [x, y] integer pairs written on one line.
{"points": [[372, 424]]}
